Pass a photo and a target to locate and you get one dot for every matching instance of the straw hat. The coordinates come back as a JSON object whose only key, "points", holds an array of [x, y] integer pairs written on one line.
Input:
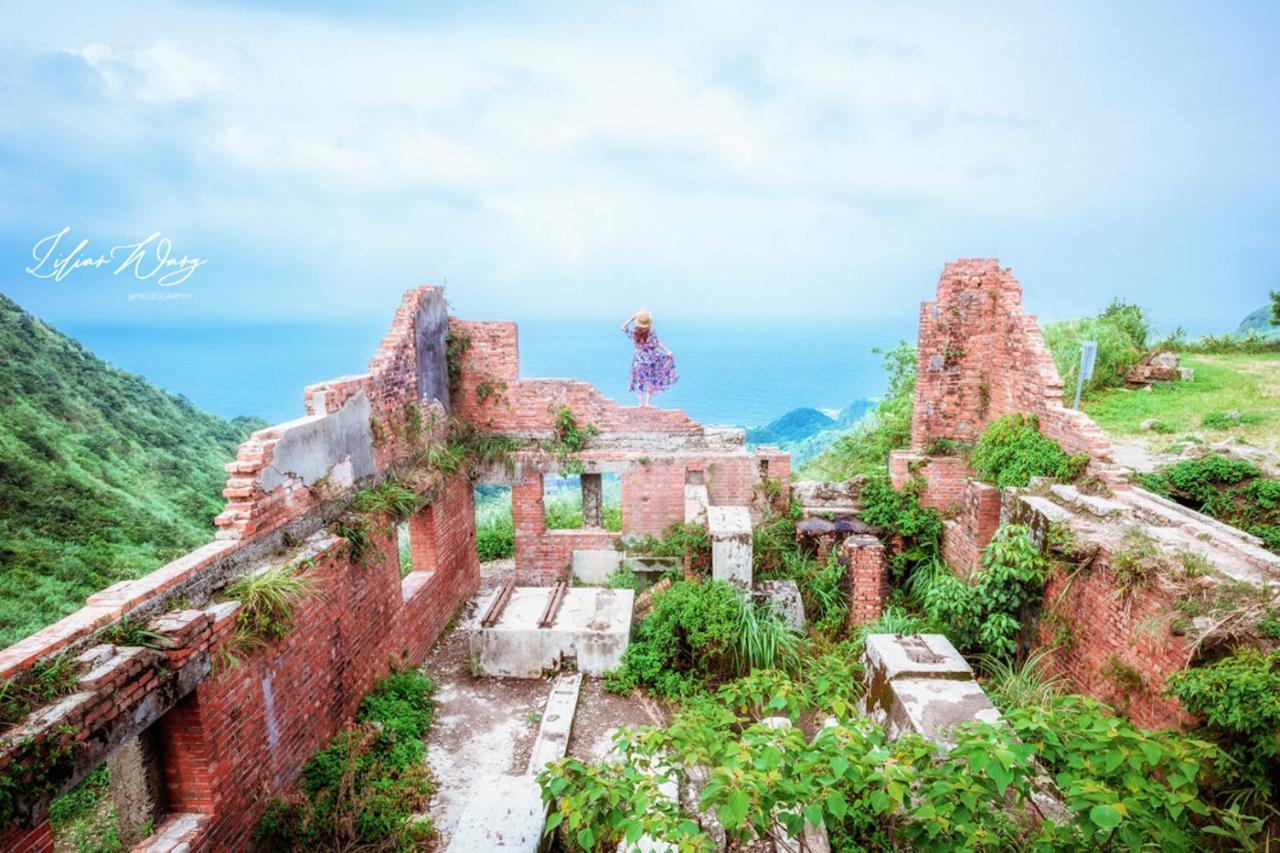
{"points": [[643, 320]]}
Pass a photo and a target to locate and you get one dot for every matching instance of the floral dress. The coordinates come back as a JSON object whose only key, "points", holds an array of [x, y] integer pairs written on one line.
{"points": [[651, 368]]}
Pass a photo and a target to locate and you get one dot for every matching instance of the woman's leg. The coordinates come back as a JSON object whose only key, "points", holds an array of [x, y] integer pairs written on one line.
{"points": [[639, 398]]}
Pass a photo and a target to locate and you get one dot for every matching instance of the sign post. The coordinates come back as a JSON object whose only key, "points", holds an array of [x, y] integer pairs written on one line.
{"points": [[1088, 355]]}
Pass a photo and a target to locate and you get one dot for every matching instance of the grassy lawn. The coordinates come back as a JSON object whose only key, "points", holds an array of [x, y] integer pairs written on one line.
{"points": [[1248, 384]]}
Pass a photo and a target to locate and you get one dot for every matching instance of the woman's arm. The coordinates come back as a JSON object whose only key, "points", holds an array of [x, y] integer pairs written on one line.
{"points": [[630, 320]]}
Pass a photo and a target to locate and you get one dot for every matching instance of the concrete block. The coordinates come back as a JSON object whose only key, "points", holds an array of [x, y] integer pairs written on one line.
{"points": [[590, 633], [593, 566], [556, 723], [730, 529], [890, 657], [783, 597], [509, 817], [651, 568], [921, 684], [312, 447], [696, 501]]}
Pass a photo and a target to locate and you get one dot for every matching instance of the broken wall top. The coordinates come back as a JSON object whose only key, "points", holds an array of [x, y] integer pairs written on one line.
{"points": [[980, 356]]}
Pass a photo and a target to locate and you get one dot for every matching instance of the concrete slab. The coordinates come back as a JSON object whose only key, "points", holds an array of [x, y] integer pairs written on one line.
{"points": [[556, 722], [509, 816], [594, 566], [921, 684], [890, 657], [696, 501], [730, 529], [590, 633], [784, 599]]}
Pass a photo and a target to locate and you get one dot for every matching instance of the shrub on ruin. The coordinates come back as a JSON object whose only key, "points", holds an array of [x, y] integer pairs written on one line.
{"points": [[362, 790], [267, 602], [1230, 490], [984, 614], [1122, 786], [1011, 451], [899, 515], [688, 541], [1238, 701], [699, 632]]}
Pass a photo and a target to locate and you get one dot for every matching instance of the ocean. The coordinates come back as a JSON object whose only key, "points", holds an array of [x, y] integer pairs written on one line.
{"points": [[740, 374]]}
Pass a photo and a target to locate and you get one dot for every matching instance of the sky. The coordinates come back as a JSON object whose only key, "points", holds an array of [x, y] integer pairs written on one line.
{"points": [[769, 161]]}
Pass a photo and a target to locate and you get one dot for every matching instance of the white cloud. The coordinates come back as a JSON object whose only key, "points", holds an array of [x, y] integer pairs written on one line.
{"points": [[159, 74]]}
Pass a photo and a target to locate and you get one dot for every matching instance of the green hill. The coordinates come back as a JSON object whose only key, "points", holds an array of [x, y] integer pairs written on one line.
{"points": [[1258, 320], [102, 475]]}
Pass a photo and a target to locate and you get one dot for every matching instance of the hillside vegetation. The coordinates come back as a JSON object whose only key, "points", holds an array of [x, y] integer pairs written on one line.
{"points": [[102, 475]]}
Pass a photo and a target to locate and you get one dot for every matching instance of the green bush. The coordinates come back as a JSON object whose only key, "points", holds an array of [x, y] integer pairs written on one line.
{"points": [[1123, 788], [1116, 351], [361, 791], [1231, 490], [865, 448], [1238, 701], [699, 632], [1011, 451], [982, 615]]}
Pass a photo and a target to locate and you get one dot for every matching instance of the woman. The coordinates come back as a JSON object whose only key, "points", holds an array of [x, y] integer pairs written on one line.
{"points": [[653, 367]]}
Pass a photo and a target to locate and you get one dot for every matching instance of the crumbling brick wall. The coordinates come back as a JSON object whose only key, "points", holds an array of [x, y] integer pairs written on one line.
{"points": [[979, 357], [232, 737], [656, 451], [1114, 644]]}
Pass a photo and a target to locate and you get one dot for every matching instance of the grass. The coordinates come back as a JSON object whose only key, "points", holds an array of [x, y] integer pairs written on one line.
{"points": [[83, 819], [1248, 384], [104, 476], [267, 601]]}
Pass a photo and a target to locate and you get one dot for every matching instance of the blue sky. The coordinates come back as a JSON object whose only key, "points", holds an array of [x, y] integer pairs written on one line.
{"points": [[699, 159]]}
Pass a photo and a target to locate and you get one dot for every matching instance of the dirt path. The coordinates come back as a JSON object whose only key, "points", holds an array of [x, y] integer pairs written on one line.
{"points": [[485, 727]]}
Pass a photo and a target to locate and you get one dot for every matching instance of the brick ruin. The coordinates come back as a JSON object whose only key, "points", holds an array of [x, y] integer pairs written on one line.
{"points": [[209, 744], [217, 741], [980, 357]]}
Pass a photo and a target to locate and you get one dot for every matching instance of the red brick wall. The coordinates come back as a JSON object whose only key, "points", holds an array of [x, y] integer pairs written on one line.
{"points": [[653, 496], [1102, 626], [245, 733], [867, 577], [527, 405], [37, 840], [979, 357]]}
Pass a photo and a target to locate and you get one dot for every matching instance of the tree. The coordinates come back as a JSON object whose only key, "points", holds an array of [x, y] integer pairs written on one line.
{"points": [[1275, 307]]}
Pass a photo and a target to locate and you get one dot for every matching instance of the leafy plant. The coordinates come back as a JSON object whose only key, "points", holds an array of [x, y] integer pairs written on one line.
{"points": [[693, 634], [1011, 451], [899, 514], [983, 614], [456, 345], [1238, 700], [361, 791]]}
